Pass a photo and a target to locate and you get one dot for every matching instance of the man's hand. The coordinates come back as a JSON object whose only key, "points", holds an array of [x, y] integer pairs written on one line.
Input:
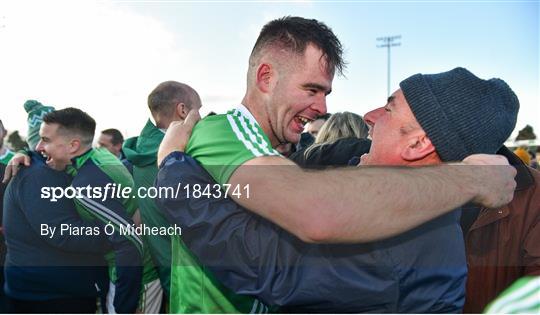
{"points": [[495, 177], [177, 135], [13, 166]]}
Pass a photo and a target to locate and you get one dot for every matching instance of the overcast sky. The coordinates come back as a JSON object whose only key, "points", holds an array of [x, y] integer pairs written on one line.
{"points": [[106, 56]]}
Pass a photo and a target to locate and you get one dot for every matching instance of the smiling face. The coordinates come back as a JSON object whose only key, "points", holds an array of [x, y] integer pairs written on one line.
{"points": [[396, 135], [298, 95], [55, 146]]}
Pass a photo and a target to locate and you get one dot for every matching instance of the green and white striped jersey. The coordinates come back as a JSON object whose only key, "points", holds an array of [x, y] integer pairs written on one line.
{"points": [[522, 297], [220, 143]]}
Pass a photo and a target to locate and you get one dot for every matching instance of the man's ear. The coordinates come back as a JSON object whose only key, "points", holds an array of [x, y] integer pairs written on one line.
{"points": [[74, 145], [418, 147], [182, 110], [263, 77]]}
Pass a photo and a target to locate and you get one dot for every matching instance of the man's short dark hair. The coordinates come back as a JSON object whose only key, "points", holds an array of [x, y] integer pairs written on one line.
{"points": [[296, 33], [73, 120], [164, 98], [116, 135]]}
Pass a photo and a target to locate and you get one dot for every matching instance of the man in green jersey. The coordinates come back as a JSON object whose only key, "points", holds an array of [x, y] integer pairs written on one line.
{"points": [[290, 73], [66, 142], [169, 101]]}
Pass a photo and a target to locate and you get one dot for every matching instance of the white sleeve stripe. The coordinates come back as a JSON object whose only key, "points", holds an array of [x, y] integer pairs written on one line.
{"points": [[103, 208], [255, 134], [520, 293], [254, 308], [517, 294], [250, 133], [106, 213], [263, 141], [241, 137], [524, 304]]}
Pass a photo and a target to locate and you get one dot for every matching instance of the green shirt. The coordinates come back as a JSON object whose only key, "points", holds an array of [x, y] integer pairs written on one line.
{"points": [[6, 157], [522, 297], [117, 172], [141, 152], [220, 143]]}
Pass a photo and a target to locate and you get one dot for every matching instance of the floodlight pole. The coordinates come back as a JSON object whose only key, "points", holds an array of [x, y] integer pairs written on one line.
{"points": [[388, 41]]}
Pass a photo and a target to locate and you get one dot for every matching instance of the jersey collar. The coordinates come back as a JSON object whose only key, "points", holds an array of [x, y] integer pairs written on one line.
{"points": [[245, 112]]}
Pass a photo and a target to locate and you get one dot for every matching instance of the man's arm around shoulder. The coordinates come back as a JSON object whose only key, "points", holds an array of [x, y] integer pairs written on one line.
{"points": [[367, 203]]}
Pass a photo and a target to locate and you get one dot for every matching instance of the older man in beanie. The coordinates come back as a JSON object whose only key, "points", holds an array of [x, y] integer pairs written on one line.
{"points": [[430, 120], [441, 117]]}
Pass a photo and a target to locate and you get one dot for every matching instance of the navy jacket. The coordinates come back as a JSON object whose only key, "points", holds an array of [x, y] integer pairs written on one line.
{"points": [[420, 271], [127, 253], [40, 267]]}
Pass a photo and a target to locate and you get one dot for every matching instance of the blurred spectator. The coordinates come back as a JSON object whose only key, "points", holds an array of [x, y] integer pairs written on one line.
{"points": [[306, 139], [538, 157], [534, 159], [342, 125], [35, 111], [351, 131], [170, 101], [5, 156], [5, 153], [286, 149], [523, 154], [112, 140], [314, 127]]}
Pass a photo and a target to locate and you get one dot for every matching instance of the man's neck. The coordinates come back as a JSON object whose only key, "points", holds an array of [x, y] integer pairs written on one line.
{"points": [[257, 110], [163, 124], [3, 150], [80, 152]]}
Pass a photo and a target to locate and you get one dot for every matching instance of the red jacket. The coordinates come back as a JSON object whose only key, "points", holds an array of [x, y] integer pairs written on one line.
{"points": [[504, 244]]}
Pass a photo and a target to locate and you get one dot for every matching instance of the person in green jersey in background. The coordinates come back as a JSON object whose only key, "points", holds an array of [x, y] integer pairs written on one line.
{"points": [[522, 297], [5, 156], [169, 101], [5, 153], [66, 143]]}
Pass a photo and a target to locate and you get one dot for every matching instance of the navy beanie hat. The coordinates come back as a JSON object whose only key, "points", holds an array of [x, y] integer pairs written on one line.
{"points": [[461, 113]]}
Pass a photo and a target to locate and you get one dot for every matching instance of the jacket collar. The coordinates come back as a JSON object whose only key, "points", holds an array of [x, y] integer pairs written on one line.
{"points": [[524, 179], [78, 161]]}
